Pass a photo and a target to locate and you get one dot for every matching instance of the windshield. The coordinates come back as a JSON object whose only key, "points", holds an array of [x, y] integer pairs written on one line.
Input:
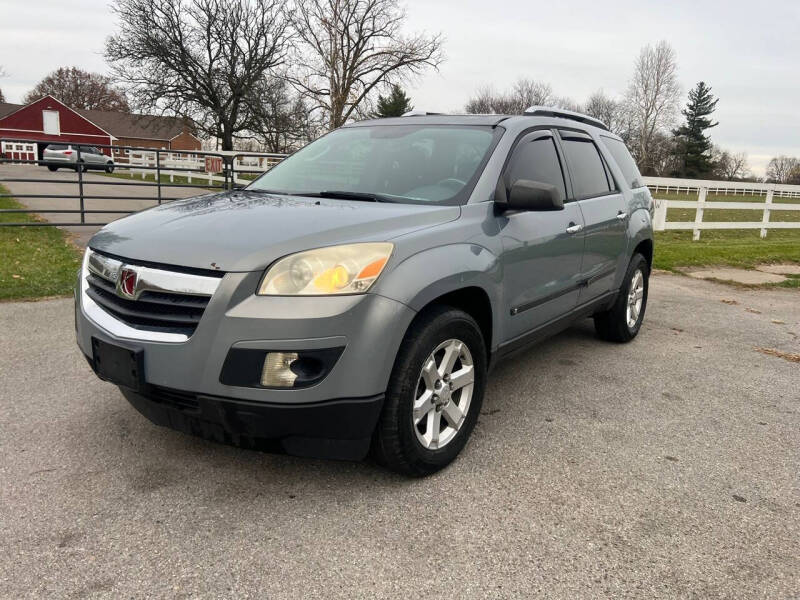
{"points": [[434, 164]]}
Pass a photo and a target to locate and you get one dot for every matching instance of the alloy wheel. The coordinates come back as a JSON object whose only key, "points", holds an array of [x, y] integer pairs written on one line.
{"points": [[443, 394], [635, 298]]}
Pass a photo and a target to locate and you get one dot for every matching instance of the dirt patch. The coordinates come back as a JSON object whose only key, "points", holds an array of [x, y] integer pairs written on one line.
{"points": [[780, 269], [784, 355], [742, 276]]}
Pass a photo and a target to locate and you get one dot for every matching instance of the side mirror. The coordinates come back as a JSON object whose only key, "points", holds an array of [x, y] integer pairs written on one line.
{"points": [[533, 195]]}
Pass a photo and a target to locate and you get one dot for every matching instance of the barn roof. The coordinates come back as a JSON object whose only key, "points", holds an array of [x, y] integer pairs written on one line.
{"points": [[6, 108], [122, 125]]}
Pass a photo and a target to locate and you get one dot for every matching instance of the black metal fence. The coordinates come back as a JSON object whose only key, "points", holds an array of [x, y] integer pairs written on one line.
{"points": [[164, 171]]}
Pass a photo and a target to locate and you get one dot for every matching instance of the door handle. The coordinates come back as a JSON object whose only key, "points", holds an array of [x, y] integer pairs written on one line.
{"points": [[573, 228], [621, 215]]}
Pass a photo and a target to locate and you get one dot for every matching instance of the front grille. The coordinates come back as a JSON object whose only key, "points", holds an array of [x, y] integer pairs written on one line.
{"points": [[154, 311], [184, 401]]}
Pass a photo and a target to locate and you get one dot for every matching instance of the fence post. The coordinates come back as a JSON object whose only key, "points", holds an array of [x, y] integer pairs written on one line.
{"points": [[767, 206], [660, 217], [698, 217], [158, 174], [79, 168]]}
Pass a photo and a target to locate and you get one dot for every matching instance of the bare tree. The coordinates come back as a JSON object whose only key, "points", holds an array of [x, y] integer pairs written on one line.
{"points": [[284, 122], [529, 92], [80, 89], [350, 48], [783, 169], [608, 110], [199, 59], [728, 165], [566, 103], [2, 74], [524, 94], [652, 100]]}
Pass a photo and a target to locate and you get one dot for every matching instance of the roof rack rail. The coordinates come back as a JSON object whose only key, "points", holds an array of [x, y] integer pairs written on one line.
{"points": [[549, 111], [420, 113]]}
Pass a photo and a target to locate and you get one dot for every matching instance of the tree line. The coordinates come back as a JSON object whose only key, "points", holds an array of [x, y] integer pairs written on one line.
{"points": [[253, 72], [645, 117], [260, 74]]}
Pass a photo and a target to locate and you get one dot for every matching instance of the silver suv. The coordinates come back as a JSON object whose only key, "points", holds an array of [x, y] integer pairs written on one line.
{"points": [[355, 296], [74, 157]]}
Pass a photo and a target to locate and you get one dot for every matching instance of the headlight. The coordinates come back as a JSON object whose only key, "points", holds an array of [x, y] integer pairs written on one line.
{"points": [[350, 269]]}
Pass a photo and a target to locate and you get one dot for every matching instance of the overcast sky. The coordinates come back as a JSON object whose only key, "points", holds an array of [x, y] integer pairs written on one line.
{"points": [[749, 52]]}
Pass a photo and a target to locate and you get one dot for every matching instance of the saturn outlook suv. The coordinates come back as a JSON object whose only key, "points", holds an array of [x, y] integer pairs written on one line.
{"points": [[355, 296]]}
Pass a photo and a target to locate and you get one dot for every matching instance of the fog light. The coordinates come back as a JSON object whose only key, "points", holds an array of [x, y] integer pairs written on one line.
{"points": [[277, 370]]}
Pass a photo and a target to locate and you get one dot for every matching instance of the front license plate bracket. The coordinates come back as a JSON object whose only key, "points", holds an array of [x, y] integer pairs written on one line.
{"points": [[118, 364]]}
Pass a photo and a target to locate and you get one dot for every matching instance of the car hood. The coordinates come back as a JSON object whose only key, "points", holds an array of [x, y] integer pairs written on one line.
{"points": [[246, 231]]}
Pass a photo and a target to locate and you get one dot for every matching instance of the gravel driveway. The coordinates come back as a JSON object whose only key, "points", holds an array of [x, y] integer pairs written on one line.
{"points": [[660, 469]]}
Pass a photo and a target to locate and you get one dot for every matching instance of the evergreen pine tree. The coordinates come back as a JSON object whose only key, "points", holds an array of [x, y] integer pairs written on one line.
{"points": [[693, 147], [396, 104]]}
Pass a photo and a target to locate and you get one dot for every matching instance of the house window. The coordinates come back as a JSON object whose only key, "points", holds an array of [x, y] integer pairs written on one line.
{"points": [[51, 122]]}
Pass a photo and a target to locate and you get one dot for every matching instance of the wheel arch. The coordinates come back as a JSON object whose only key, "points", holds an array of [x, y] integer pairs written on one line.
{"points": [[465, 276]]}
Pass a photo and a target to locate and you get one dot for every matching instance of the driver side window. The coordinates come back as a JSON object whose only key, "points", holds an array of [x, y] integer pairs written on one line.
{"points": [[537, 160]]}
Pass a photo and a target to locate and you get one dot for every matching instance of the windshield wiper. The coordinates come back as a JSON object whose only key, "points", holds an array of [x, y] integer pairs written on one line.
{"points": [[343, 195]]}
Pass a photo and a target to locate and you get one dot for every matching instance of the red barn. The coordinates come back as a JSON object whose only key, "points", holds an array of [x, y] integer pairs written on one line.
{"points": [[50, 121]]}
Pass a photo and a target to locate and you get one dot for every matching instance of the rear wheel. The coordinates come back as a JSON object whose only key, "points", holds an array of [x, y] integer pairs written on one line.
{"points": [[81, 167], [435, 393], [109, 167], [623, 320], [52, 168]]}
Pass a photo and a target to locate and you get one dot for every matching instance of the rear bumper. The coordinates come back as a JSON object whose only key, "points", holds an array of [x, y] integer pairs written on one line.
{"points": [[335, 429]]}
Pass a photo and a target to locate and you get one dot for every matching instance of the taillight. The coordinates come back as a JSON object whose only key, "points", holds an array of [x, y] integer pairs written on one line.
{"points": [[67, 152]]}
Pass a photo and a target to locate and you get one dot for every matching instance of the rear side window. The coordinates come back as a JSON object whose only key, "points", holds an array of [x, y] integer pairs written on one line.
{"points": [[537, 160], [589, 176], [56, 147], [625, 161]]}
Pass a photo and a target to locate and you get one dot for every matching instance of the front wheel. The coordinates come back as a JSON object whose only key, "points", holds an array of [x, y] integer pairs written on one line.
{"points": [[52, 168], [435, 393], [623, 320]]}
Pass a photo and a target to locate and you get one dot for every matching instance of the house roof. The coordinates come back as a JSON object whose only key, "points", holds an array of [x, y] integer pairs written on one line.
{"points": [[6, 108], [122, 125]]}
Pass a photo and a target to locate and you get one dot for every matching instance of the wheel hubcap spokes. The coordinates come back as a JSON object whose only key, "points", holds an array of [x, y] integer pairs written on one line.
{"points": [[443, 394], [635, 298]]}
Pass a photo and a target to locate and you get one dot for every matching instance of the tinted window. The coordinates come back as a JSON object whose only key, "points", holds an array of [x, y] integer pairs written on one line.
{"points": [[625, 161], [537, 160], [586, 168], [404, 163], [56, 147]]}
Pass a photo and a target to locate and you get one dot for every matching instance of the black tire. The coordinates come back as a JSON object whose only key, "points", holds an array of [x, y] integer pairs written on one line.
{"points": [[52, 168], [81, 167], [612, 325], [395, 443], [109, 167]]}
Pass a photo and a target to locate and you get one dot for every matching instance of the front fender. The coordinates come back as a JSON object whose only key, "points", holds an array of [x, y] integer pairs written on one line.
{"points": [[427, 275]]}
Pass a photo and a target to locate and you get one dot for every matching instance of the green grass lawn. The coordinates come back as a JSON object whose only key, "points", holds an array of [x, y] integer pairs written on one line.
{"points": [[198, 181], [734, 248], [37, 261]]}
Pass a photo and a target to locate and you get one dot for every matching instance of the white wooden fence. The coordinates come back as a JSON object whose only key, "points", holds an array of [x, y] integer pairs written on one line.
{"points": [[770, 191], [170, 162]]}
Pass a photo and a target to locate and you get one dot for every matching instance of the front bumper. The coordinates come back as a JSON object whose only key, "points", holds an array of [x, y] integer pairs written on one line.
{"points": [[369, 327], [337, 429]]}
